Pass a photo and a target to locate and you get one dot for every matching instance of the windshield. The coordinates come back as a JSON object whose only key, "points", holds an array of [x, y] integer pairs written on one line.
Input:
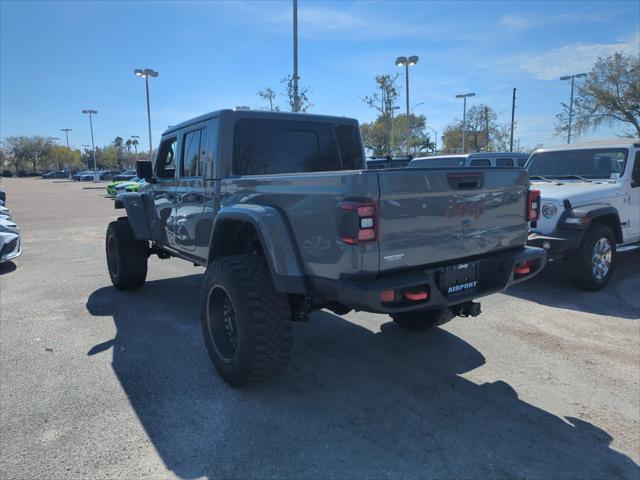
{"points": [[591, 163]]}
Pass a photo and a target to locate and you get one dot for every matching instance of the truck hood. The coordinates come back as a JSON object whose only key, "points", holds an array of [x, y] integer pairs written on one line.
{"points": [[577, 192]]}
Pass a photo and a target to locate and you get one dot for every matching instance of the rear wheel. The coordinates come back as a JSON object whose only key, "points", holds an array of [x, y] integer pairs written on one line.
{"points": [[423, 320], [595, 261], [126, 256], [246, 323]]}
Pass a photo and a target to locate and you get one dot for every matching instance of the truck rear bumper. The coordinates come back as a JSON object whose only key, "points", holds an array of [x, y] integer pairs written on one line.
{"points": [[495, 273]]}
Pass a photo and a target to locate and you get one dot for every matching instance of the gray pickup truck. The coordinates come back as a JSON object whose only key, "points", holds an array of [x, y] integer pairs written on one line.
{"points": [[279, 210]]}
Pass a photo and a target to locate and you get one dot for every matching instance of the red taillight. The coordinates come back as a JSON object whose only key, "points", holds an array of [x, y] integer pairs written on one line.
{"points": [[522, 269], [357, 222], [533, 206]]}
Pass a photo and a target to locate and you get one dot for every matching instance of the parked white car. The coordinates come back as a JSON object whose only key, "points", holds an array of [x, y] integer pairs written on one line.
{"points": [[9, 240], [5, 212], [478, 159], [589, 205]]}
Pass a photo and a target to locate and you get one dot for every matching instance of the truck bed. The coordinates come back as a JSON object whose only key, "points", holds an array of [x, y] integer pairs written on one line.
{"points": [[422, 216]]}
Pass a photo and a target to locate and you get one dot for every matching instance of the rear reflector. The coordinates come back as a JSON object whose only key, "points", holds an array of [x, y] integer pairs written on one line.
{"points": [[522, 269], [387, 296], [416, 296]]}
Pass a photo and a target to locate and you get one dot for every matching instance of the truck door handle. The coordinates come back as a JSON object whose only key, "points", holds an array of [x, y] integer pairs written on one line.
{"points": [[465, 181]]}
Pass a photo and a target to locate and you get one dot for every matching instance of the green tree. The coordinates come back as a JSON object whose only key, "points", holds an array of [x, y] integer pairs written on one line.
{"points": [[22, 150], [482, 132], [409, 135], [377, 135], [609, 96]]}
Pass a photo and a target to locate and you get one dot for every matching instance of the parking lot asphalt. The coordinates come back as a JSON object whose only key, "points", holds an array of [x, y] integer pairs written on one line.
{"points": [[99, 383]]}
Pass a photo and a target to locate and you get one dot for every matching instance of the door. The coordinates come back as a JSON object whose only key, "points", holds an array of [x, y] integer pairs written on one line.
{"points": [[163, 189], [632, 233], [190, 190]]}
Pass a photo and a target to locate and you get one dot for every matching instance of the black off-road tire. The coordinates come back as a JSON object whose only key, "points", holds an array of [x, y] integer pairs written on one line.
{"points": [[251, 341], [423, 320], [583, 274], [126, 256]]}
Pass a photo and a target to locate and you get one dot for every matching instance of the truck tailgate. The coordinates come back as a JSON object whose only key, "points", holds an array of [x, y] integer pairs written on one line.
{"points": [[429, 216]]}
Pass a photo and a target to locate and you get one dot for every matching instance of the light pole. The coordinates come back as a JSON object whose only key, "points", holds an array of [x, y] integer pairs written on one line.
{"points": [[435, 143], [54, 140], [406, 63], [464, 114], [66, 132], [146, 73], [93, 145], [572, 78], [86, 147], [392, 131], [296, 99]]}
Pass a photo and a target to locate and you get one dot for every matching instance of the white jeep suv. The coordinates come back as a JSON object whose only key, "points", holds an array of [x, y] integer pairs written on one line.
{"points": [[589, 205]]}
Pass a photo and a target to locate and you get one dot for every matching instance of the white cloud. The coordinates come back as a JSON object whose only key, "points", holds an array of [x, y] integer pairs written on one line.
{"points": [[525, 22], [574, 57]]}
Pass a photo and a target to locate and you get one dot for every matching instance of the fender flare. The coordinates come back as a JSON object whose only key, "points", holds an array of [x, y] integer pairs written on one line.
{"points": [[593, 212], [137, 206], [277, 241]]}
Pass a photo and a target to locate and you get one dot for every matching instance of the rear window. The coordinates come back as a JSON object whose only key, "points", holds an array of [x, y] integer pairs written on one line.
{"points": [[262, 147], [438, 162], [504, 162], [480, 162]]}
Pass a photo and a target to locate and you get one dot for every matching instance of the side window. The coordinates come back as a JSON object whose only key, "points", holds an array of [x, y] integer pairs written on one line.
{"points": [[480, 162], [504, 162], [190, 154], [166, 163], [635, 173], [522, 162]]}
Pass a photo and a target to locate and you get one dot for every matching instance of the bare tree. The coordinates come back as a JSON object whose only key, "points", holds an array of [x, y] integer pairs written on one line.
{"points": [[610, 95], [303, 101], [269, 95]]}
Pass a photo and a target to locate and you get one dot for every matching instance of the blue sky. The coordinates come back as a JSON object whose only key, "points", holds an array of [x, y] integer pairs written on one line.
{"points": [[57, 58]]}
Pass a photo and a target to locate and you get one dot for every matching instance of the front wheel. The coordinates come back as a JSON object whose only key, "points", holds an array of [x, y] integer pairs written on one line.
{"points": [[246, 323], [594, 263], [423, 320], [126, 256]]}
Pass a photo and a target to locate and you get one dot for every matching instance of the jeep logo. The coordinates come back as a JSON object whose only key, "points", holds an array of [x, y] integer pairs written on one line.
{"points": [[465, 209]]}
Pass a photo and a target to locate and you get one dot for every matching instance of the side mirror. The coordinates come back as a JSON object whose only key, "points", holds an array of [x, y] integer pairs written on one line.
{"points": [[144, 169]]}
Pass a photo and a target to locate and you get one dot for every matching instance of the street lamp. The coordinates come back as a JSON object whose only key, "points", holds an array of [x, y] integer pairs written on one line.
{"points": [[66, 132], [54, 140], [464, 114], [572, 78], [406, 63], [93, 145], [146, 73]]}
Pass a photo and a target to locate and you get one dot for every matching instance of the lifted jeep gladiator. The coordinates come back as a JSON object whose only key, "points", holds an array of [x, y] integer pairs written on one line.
{"points": [[279, 210]]}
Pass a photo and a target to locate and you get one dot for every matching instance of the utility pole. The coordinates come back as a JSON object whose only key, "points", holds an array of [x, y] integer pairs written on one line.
{"points": [[486, 127], [296, 99], [513, 112], [464, 115]]}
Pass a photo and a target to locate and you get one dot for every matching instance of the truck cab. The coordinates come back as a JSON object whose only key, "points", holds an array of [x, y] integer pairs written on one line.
{"points": [[589, 204]]}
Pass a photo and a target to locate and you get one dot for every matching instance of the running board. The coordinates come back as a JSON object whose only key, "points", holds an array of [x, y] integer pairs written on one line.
{"points": [[628, 248]]}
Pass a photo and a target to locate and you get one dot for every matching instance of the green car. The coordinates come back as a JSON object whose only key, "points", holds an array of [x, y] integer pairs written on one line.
{"points": [[111, 188]]}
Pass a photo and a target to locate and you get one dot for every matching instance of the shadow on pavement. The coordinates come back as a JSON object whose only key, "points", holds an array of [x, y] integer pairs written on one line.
{"points": [[351, 404], [7, 267], [554, 287]]}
